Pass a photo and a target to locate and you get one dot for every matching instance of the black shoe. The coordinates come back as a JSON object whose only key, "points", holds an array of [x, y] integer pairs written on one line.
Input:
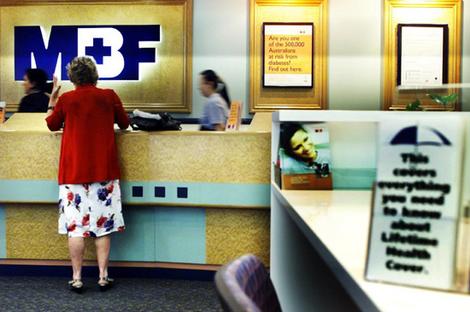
{"points": [[105, 283], [76, 286]]}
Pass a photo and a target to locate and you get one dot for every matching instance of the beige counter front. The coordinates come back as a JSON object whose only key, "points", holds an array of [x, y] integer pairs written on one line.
{"points": [[189, 196]]}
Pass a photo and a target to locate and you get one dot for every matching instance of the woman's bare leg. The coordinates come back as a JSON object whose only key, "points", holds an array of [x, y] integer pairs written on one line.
{"points": [[103, 245], [76, 250]]}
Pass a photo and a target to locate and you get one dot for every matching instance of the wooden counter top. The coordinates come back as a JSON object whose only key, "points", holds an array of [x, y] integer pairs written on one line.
{"points": [[34, 122]]}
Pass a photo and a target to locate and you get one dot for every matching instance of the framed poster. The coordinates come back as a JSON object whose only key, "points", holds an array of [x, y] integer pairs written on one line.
{"points": [[288, 55], [419, 14], [423, 51]]}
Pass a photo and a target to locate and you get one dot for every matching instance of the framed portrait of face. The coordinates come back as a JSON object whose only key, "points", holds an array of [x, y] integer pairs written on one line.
{"points": [[305, 156]]}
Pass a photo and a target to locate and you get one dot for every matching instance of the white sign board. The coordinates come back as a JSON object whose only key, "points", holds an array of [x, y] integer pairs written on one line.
{"points": [[422, 56], [417, 201]]}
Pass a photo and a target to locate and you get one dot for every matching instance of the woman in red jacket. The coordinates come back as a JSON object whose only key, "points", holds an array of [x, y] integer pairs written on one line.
{"points": [[89, 195]]}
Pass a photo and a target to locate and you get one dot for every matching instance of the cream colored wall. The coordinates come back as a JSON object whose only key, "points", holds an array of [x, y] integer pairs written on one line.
{"points": [[466, 54], [355, 50], [355, 45], [220, 42], [354, 64]]}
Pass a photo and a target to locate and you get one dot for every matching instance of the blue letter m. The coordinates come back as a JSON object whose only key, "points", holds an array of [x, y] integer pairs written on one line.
{"points": [[29, 43]]}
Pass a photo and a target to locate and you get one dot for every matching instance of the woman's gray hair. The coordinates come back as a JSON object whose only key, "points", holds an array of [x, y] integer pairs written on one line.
{"points": [[82, 70]]}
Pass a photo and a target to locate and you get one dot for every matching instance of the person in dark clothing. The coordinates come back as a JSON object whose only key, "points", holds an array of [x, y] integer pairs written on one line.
{"points": [[35, 85]]}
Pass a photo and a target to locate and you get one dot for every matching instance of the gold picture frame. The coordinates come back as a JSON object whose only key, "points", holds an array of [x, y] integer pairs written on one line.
{"points": [[442, 12], [285, 11]]}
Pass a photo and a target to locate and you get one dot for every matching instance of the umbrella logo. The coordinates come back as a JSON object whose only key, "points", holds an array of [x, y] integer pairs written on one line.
{"points": [[420, 136]]}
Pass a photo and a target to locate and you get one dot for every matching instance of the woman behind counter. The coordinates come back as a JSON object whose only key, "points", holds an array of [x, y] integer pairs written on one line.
{"points": [[216, 109], [35, 87], [89, 193]]}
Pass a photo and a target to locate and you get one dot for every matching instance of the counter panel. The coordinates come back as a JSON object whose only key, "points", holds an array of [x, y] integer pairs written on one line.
{"points": [[210, 157], [134, 154], [3, 237], [31, 233], [153, 234], [216, 168], [231, 232], [222, 195], [29, 155], [189, 197]]}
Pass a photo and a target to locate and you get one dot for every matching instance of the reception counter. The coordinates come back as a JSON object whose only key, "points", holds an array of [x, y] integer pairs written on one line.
{"points": [[189, 197]]}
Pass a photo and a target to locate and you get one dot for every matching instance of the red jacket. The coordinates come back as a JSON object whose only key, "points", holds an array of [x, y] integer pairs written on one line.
{"points": [[88, 152]]}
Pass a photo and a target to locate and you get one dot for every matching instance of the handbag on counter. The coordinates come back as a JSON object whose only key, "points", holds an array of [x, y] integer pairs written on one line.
{"points": [[153, 122]]}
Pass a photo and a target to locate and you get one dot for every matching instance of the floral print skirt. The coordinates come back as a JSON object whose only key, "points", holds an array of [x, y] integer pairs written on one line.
{"points": [[90, 210]]}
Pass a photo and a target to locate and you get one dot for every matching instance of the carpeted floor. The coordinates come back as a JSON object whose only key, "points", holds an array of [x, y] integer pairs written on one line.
{"points": [[129, 294]]}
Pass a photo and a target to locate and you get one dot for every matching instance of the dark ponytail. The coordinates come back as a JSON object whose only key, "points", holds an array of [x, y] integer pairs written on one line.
{"points": [[219, 86]]}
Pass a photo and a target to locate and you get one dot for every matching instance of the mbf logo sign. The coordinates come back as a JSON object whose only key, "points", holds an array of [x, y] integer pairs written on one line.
{"points": [[117, 50]]}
